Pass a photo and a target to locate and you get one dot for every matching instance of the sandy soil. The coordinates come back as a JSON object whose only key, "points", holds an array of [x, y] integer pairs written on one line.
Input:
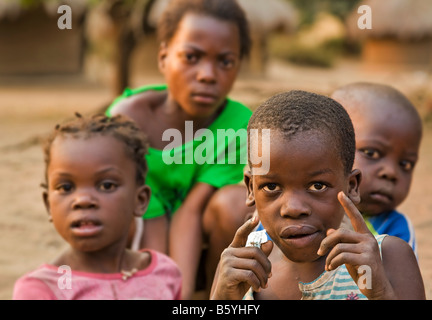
{"points": [[30, 108]]}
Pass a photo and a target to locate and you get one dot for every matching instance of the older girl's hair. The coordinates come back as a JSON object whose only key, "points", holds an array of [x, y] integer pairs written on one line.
{"points": [[225, 10]]}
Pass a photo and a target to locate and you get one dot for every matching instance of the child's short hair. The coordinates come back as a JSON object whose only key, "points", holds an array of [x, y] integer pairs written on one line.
{"points": [[118, 126], [299, 111], [353, 94], [226, 10]]}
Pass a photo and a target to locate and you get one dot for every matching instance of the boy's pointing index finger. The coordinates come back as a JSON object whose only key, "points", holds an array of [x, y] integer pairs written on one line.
{"points": [[241, 236], [354, 215]]}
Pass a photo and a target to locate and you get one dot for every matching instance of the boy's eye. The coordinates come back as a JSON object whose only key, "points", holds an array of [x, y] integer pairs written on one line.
{"points": [[371, 153], [271, 187], [407, 165], [107, 186], [317, 186]]}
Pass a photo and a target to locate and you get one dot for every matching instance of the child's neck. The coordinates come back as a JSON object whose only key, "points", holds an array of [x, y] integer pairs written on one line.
{"points": [[98, 262], [301, 271], [176, 116], [287, 274]]}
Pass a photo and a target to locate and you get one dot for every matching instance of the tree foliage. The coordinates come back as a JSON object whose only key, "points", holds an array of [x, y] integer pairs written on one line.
{"points": [[310, 8]]}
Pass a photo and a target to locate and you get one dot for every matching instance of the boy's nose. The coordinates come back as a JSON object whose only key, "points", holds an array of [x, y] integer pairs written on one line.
{"points": [[84, 200], [294, 207], [388, 170]]}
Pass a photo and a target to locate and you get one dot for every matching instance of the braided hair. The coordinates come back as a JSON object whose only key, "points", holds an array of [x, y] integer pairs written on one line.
{"points": [[118, 126]]}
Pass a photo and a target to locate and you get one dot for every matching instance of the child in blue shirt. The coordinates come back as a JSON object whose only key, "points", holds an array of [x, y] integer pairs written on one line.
{"points": [[388, 132]]}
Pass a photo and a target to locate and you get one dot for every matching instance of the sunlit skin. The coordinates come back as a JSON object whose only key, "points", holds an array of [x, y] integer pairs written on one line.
{"points": [[301, 203], [92, 197], [387, 150]]}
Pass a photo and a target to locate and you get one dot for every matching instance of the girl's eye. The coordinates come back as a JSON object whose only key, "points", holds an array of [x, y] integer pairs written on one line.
{"points": [[190, 57], [407, 165], [227, 63], [371, 153], [271, 187], [64, 187], [317, 186], [107, 186]]}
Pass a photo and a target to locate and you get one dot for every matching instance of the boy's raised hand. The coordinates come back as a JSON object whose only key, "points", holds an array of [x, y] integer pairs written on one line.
{"points": [[242, 267], [359, 251]]}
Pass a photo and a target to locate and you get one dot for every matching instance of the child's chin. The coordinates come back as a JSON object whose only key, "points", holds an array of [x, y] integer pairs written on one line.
{"points": [[303, 255], [374, 209]]}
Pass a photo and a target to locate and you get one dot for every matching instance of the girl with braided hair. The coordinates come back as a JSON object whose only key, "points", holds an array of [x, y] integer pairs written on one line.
{"points": [[94, 187]]}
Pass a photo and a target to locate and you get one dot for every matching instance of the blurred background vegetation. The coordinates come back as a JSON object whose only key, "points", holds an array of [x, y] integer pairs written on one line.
{"points": [[320, 38], [309, 9]]}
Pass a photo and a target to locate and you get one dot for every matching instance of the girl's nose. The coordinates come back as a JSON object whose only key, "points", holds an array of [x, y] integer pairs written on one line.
{"points": [[84, 200], [207, 72]]}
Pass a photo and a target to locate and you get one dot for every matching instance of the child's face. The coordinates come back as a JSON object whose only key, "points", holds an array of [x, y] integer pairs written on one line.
{"points": [[387, 145], [92, 192], [200, 63], [297, 199]]}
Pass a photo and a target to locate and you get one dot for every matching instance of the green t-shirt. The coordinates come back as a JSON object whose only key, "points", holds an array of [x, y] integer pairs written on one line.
{"points": [[216, 156]]}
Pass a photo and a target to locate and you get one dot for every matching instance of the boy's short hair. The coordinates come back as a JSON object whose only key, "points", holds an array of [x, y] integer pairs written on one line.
{"points": [[356, 94], [299, 111], [118, 126], [226, 10]]}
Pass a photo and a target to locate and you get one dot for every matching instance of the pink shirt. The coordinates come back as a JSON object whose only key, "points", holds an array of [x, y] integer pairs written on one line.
{"points": [[161, 280]]}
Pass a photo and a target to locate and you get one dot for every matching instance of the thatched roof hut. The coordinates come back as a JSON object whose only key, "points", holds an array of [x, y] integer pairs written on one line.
{"points": [[30, 41], [401, 33], [401, 19], [12, 9]]}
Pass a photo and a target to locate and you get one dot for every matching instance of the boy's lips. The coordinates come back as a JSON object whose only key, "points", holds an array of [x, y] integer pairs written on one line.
{"points": [[382, 196], [299, 235]]}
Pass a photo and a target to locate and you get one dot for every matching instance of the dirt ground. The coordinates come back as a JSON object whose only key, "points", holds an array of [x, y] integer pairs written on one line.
{"points": [[30, 107]]}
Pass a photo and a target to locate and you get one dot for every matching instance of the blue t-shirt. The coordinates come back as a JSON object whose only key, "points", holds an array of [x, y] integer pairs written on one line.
{"points": [[392, 223]]}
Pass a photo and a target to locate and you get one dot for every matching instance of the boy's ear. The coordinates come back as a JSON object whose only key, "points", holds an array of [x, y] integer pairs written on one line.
{"points": [[354, 184], [248, 180], [161, 56], [142, 200]]}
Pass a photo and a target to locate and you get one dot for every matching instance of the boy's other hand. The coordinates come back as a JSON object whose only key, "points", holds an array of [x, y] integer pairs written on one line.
{"points": [[242, 267]]}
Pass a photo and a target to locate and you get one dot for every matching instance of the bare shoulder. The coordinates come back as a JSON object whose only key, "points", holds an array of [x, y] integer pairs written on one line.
{"points": [[141, 259], [396, 248], [139, 106], [402, 268]]}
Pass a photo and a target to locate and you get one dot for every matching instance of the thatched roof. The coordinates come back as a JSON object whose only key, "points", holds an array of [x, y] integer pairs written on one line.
{"points": [[263, 15], [11, 9], [403, 19], [270, 15]]}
